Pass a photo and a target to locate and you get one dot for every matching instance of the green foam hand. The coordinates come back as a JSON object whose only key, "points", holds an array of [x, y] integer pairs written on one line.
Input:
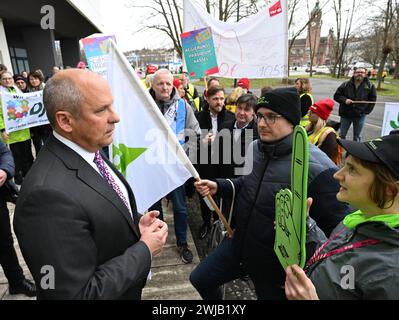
{"points": [[290, 239]]}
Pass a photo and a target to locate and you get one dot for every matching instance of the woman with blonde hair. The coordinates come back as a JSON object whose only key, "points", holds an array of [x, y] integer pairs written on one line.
{"points": [[304, 88], [319, 133], [233, 97]]}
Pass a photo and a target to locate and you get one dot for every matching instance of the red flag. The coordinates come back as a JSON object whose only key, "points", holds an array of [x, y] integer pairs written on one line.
{"points": [[275, 9]]}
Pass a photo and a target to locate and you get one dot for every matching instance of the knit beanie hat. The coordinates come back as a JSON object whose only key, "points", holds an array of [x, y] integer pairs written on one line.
{"points": [[176, 83], [284, 101], [323, 108], [243, 83], [19, 77]]}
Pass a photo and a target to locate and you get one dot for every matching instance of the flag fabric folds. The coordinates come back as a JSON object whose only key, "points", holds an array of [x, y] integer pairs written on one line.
{"points": [[144, 148]]}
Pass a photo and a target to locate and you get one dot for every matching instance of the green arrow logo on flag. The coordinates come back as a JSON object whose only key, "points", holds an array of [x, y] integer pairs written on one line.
{"points": [[123, 156]]}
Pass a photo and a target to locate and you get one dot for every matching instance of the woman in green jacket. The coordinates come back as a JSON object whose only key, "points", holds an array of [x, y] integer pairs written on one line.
{"points": [[19, 141]]}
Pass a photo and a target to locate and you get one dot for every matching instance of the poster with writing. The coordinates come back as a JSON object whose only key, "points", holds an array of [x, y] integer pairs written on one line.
{"points": [[199, 53], [290, 239], [255, 47], [96, 50], [21, 111]]}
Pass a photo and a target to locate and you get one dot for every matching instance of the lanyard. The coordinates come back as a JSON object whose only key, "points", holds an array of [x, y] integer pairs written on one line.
{"points": [[318, 256]]}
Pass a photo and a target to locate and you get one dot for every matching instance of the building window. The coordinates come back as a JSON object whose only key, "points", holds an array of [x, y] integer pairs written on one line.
{"points": [[19, 59]]}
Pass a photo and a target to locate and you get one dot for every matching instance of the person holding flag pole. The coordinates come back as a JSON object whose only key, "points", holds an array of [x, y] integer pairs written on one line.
{"points": [[250, 251]]}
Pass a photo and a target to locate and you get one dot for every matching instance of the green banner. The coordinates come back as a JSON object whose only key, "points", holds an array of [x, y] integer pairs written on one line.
{"points": [[290, 220]]}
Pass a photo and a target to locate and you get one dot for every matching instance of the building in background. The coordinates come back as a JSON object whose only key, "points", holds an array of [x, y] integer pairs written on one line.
{"points": [[162, 58], [323, 47], [25, 45]]}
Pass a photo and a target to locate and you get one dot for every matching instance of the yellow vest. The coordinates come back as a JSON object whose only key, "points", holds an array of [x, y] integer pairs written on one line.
{"points": [[318, 138], [191, 93]]}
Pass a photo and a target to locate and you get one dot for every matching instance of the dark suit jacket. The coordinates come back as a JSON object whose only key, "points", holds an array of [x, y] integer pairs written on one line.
{"points": [[69, 218]]}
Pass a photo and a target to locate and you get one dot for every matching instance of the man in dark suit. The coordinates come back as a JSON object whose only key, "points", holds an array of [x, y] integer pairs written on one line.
{"points": [[76, 218]]}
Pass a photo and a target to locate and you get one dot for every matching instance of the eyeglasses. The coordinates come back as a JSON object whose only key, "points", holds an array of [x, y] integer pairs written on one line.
{"points": [[268, 117], [6, 79]]}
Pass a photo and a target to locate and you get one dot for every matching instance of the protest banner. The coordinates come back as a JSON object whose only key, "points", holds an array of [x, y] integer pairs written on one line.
{"points": [[24, 110], [291, 208], [199, 53], [255, 47]]}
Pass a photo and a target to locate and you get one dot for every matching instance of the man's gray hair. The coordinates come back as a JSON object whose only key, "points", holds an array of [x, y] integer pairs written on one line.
{"points": [[62, 94], [162, 71]]}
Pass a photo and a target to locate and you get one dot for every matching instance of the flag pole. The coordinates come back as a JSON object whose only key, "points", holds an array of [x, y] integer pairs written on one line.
{"points": [[219, 213], [367, 102]]}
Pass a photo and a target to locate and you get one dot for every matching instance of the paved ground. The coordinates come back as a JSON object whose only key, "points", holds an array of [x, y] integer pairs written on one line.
{"points": [[236, 290], [4, 294]]}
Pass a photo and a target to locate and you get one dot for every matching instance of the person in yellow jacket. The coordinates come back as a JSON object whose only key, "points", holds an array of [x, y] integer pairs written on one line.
{"points": [[19, 141], [233, 97], [304, 88], [191, 92], [319, 134]]}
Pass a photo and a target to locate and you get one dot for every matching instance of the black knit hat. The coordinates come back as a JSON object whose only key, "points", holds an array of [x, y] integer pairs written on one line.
{"points": [[284, 101]]}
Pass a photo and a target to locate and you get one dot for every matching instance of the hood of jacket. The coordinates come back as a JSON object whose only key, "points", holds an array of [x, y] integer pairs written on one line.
{"points": [[379, 231]]}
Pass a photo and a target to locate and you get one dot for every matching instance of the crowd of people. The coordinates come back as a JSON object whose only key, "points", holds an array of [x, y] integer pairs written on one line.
{"points": [[243, 151]]}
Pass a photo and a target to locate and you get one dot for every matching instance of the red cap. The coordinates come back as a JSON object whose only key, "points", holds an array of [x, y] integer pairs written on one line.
{"points": [[243, 83], [176, 83], [151, 69], [323, 108]]}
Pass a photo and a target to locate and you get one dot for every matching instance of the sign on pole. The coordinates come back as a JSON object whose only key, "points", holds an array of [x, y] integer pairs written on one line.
{"points": [[291, 207], [199, 53]]}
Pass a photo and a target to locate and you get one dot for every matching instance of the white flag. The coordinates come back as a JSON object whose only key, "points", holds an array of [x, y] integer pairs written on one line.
{"points": [[144, 149]]}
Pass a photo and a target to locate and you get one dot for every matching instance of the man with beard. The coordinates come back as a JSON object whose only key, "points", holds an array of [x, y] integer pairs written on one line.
{"points": [[358, 88], [211, 121]]}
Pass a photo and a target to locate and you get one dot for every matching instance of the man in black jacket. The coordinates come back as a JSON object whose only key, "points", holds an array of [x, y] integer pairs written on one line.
{"points": [[251, 249], [8, 257], [241, 132], [358, 88], [210, 122]]}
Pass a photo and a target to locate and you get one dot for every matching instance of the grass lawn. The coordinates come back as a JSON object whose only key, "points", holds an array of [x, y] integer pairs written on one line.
{"points": [[255, 83], [389, 88]]}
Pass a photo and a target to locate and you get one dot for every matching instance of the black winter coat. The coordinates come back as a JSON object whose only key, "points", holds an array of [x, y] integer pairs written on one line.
{"points": [[6, 160], [227, 170], [365, 92], [254, 209], [209, 170]]}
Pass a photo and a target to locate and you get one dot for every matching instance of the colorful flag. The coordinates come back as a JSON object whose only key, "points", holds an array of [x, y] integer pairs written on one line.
{"points": [[144, 149]]}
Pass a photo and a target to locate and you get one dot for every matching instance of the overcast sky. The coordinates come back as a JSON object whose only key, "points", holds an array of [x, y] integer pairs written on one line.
{"points": [[126, 23]]}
